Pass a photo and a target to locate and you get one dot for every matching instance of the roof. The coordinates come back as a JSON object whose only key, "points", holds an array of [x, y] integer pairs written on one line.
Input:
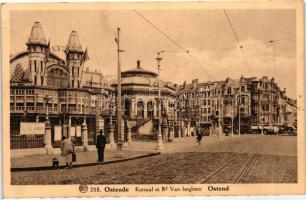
{"points": [[37, 35], [138, 71], [25, 53], [74, 42], [18, 74]]}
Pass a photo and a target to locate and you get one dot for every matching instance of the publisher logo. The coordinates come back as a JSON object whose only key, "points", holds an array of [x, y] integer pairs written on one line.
{"points": [[83, 188]]}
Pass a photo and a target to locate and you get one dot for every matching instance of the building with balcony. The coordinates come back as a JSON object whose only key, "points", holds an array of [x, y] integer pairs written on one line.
{"points": [[237, 105]]}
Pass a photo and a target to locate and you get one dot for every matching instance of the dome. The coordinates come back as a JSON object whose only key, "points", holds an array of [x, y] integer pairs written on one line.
{"points": [[37, 35], [139, 72], [74, 42]]}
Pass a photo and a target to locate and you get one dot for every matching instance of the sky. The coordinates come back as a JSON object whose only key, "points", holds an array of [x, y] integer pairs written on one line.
{"points": [[214, 52]]}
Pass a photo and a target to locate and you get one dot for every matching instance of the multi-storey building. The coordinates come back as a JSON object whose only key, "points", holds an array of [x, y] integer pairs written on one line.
{"points": [[43, 84], [237, 105]]}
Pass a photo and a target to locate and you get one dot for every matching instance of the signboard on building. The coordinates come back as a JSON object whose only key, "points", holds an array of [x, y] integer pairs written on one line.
{"points": [[78, 131], [72, 131], [57, 133], [30, 128]]}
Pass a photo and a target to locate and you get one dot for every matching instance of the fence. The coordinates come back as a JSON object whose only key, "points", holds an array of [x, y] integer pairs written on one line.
{"points": [[27, 141]]}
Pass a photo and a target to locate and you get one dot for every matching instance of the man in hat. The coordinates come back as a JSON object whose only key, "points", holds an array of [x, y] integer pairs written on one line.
{"points": [[100, 145]]}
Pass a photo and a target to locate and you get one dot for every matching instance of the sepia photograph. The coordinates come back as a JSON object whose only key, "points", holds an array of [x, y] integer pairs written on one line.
{"points": [[153, 99]]}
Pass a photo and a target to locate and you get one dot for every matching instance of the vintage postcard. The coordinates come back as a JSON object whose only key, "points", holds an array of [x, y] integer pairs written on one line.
{"points": [[153, 99]]}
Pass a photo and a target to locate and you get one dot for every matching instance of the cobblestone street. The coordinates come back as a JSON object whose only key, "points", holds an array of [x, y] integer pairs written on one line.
{"points": [[245, 159]]}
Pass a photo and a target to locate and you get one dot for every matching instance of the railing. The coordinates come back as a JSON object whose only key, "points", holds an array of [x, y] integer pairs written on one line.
{"points": [[27, 141], [33, 109]]}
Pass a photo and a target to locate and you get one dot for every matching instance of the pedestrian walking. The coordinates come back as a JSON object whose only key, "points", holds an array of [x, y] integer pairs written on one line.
{"points": [[199, 135], [67, 151], [171, 135], [100, 145]]}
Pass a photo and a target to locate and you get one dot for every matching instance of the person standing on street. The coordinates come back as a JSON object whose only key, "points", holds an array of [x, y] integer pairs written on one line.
{"points": [[100, 145], [67, 150], [199, 135]]}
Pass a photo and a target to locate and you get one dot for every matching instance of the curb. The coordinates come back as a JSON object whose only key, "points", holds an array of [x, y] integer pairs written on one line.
{"points": [[21, 169]]}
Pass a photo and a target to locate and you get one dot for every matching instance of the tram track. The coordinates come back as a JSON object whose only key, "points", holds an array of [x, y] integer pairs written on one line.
{"points": [[215, 175], [139, 170]]}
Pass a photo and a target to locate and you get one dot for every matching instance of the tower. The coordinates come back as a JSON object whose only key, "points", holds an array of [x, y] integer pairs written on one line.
{"points": [[74, 55], [37, 48]]}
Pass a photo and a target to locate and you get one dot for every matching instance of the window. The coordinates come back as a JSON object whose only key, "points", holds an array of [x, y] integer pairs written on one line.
{"points": [[208, 102], [265, 107], [35, 65], [35, 79], [42, 80], [266, 119], [229, 90], [41, 66], [243, 88]]}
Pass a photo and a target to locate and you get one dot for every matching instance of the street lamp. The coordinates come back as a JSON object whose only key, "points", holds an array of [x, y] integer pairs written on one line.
{"points": [[159, 135], [47, 99], [119, 111]]}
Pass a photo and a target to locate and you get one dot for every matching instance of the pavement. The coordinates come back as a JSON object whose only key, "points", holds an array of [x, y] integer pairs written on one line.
{"points": [[44, 162], [236, 144]]}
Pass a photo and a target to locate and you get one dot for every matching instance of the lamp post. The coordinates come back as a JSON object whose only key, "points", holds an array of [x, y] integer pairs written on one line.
{"points": [[160, 145], [119, 111], [47, 138], [233, 114], [47, 99]]}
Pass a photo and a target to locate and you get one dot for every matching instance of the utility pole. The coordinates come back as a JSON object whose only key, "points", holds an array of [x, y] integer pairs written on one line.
{"points": [[233, 115], [160, 145], [119, 114], [219, 120], [239, 115]]}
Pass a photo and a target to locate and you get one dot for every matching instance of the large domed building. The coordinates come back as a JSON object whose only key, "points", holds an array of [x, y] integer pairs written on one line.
{"points": [[140, 94]]}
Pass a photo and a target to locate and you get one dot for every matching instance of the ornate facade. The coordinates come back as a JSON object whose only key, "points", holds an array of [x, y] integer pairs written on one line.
{"points": [[253, 103], [44, 84]]}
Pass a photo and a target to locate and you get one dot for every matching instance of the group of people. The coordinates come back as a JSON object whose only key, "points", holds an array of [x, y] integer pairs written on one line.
{"points": [[67, 149]]}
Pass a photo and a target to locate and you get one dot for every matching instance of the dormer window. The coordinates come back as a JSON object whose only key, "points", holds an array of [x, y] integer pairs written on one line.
{"points": [[242, 88], [229, 90]]}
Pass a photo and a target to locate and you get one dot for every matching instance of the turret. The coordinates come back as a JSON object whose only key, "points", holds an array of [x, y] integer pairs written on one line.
{"points": [[37, 48], [74, 55]]}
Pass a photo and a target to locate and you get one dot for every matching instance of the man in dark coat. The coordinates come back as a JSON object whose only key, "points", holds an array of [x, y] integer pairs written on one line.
{"points": [[100, 145]]}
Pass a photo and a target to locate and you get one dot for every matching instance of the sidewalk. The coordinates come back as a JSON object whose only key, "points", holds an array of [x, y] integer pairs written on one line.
{"points": [[40, 162]]}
